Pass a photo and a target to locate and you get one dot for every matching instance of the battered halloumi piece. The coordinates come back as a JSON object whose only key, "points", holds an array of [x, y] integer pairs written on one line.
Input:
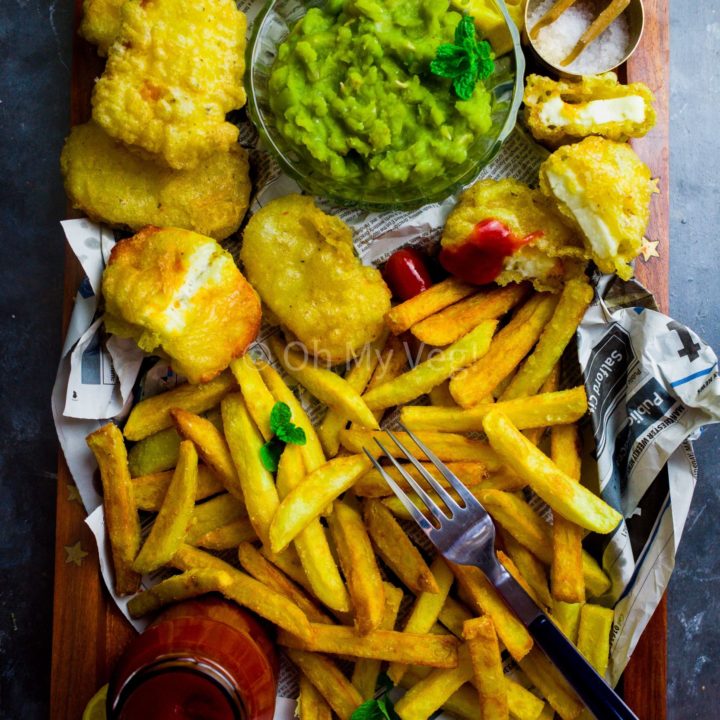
{"points": [[174, 71], [548, 260], [604, 189], [180, 295], [101, 22], [302, 263], [113, 185]]}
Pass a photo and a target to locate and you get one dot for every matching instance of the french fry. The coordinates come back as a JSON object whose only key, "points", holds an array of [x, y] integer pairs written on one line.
{"points": [[430, 373], [446, 326], [256, 483], [213, 514], [149, 490], [453, 615], [366, 672], [530, 567], [265, 572], [553, 686], [449, 447], [548, 713], [440, 395], [290, 564], [597, 582], [482, 643], [155, 453], [247, 591], [390, 645], [359, 565], [179, 587], [567, 616], [507, 349], [312, 451], [171, 524], [358, 377], [309, 499], [441, 295], [211, 447], [153, 414], [332, 685], [426, 609], [311, 705], [258, 399], [512, 568], [325, 385], [393, 362], [571, 307], [594, 635], [311, 543], [397, 551], [121, 515], [566, 497], [486, 601], [556, 408], [522, 703], [551, 385], [566, 572], [227, 536]]}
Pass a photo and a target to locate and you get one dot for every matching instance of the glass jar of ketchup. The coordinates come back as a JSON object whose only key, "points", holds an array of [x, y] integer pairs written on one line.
{"points": [[200, 660]]}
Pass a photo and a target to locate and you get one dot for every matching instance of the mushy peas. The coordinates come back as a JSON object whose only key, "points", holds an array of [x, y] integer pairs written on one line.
{"points": [[351, 90]]}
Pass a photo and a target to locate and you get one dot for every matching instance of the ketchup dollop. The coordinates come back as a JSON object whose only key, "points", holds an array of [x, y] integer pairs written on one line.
{"points": [[479, 260], [406, 274]]}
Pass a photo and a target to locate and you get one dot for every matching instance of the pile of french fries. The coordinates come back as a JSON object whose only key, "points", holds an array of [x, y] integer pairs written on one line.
{"points": [[320, 548]]}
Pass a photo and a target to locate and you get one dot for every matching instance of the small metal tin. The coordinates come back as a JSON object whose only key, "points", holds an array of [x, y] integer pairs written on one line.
{"points": [[635, 13]]}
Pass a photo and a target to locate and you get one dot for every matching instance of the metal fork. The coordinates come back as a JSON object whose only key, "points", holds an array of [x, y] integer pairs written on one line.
{"points": [[467, 536]]}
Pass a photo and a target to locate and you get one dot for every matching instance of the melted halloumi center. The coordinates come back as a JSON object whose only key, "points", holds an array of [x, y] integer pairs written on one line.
{"points": [[558, 113]]}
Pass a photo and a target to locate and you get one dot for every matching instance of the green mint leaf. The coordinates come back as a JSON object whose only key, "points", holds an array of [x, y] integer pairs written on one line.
{"points": [[293, 435], [279, 416], [485, 60], [270, 454], [449, 61], [464, 85], [366, 711], [465, 34], [387, 709]]}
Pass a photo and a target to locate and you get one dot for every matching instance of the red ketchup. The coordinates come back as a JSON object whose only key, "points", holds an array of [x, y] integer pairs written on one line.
{"points": [[406, 274], [479, 260], [200, 660]]}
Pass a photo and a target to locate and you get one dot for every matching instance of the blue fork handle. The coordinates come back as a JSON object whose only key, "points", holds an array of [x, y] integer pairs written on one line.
{"points": [[597, 695]]}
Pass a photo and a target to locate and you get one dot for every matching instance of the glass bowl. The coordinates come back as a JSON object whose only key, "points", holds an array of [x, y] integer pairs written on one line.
{"points": [[270, 29]]}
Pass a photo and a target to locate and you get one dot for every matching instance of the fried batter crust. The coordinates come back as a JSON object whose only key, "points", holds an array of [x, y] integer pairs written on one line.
{"points": [[101, 22]]}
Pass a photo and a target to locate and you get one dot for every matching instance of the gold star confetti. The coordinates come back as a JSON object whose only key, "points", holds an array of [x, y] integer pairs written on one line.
{"points": [[73, 494], [649, 249], [75, 554]]}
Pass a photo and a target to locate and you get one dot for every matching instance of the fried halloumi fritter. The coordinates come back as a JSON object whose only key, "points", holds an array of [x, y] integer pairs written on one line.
{"points": [[174, 71], [548, 260], [101, 22], [563, 111], [111, 184], [604, 189], [180, 295], [302, 263]]}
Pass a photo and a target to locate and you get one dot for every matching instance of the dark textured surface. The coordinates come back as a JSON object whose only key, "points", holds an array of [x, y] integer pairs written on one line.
{"points": [[34, 86]]}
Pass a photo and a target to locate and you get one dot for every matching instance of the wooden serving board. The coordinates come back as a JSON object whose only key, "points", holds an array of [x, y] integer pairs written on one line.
{"points": [[89, 633]]}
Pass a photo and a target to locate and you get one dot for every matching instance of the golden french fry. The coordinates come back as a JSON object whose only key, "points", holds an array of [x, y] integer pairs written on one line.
{"points": [[446, 326], [486, 601], [449, 447], [359, 565], [155, 453], [289, 563], [311, 705], [566, 497], [567, 616], [171, 524], [366, 672], [153, 414], [393, 362], [396, 549], [551, 385], [548, 713], [530, 567], [506, 351], [487, 666], [121, 515], [597, 582], [390, 645], [452, 615], [179, 587], [211, 447], [312, 451], [522, 703], [247, 591], [227, 536], [426, 609], [213, 514], [309, 499], [441, 295], [437, 368], [571, 307], [149, 490], [265, 572], [440, 395], [513, 569], [566, 572], [311, 543], [556, 408], [553, 686], [332, 685], [325, 385], [594, 635], [256, 483], [258, 399]]}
